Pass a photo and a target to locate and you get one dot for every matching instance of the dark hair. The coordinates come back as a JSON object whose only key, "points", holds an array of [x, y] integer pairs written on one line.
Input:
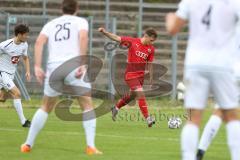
{"points": [[69, 6], [21, 29], [151, 32]]}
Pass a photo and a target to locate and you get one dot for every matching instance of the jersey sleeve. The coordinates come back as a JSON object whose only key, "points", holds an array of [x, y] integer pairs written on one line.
{"points": [[183, 9], [3, 45], [151, 56], [46, 30], [83, 24], [127, 39]]}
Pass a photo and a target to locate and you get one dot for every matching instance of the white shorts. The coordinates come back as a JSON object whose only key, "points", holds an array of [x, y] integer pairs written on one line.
{"points": [[70, 79], [6, 80], [222, 85]]}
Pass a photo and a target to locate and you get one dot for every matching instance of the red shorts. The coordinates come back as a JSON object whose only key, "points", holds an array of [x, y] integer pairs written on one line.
{"points": [[134, 82]]}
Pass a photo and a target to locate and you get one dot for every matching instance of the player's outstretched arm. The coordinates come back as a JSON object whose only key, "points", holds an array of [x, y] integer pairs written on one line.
{"points": [[27, 67], [112, 36], [174, 23]]}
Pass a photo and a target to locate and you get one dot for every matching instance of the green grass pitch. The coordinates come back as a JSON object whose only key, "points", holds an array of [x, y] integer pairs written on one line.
{"points": [[126, 139]]}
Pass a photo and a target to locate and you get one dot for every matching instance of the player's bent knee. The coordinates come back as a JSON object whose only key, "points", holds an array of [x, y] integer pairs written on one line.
{"points": [[195, 121], [138, 93], [133, 95], [47, 109], [230, 115], [16, 95], [85, 102], [195, 117]]}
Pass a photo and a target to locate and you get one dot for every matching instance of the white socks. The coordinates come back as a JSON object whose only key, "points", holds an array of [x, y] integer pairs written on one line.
{"points": [[209, 132], [233, 137], [18, 106], [89, 127], [38, 121], [40, 118], [189, 141]]}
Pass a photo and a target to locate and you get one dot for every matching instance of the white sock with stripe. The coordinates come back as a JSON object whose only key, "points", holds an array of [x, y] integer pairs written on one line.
{"points": [[209, 132]]}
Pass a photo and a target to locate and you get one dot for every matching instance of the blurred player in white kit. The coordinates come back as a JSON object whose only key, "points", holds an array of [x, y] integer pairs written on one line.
{"points": [[11, 52], [212, 47]]}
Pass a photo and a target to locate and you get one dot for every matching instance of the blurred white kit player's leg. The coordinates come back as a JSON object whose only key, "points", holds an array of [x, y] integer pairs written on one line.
{"points": [[6, 82], [49, 101]]}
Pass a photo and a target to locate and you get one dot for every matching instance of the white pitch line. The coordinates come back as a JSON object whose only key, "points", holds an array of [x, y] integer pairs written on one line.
{"points": [[105, 135]]}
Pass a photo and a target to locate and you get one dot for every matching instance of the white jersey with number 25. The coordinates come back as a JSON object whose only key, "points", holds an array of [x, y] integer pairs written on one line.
{"points": [[63, 37]]}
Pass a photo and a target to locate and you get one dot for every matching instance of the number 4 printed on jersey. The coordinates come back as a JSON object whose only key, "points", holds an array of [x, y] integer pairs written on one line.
{"points": [[206, 20]]}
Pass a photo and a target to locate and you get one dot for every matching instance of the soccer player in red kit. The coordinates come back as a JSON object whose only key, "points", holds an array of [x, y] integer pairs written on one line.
{"points": [[140, 53]]}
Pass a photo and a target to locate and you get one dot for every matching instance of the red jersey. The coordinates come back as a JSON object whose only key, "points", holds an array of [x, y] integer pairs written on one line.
{"points": [[138, 56]]}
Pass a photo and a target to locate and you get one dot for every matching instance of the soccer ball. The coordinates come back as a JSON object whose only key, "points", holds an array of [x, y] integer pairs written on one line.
{"points": [[174, 123]]}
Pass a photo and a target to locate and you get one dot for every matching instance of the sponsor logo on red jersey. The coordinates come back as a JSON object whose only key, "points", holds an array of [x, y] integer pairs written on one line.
{"points": [[142, 55]]}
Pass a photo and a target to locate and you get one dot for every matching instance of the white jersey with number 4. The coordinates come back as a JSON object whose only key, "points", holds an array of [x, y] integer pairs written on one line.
{"points": [[10, 54], [212, 42], [63, 37]]}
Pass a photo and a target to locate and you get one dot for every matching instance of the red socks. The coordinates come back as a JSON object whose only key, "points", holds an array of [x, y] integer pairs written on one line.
{"points": [[141, 102], [123, 101], [143, 106]]}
